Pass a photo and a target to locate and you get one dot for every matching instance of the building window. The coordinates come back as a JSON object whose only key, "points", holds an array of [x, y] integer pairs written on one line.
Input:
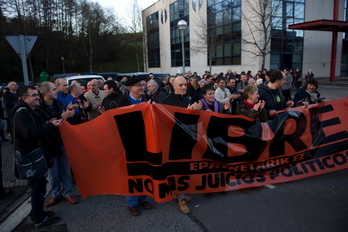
{"points": [[179, 10], [287, 44], [153, 43], [344, 59], [224, 32]]}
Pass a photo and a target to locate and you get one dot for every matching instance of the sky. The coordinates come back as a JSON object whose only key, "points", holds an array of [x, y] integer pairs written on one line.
{"points": [[122, 7]]}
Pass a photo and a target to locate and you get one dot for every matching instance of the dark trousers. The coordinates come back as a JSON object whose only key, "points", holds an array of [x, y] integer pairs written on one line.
{"points": [[287, 95], [1, 185], [38, 191]]}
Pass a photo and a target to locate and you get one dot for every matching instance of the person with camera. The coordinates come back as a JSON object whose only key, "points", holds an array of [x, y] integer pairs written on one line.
{"points": [[30, 130], [59, 174]]}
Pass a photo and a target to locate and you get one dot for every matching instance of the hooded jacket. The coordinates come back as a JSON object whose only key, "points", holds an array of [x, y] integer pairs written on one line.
{"points": [[270, 101]]}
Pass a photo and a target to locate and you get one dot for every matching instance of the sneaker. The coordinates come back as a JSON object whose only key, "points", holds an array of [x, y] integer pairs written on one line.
{"points": [[48, 214], [48, 221], [187, 198], [183, 207], [134, 211], [146, 205]]}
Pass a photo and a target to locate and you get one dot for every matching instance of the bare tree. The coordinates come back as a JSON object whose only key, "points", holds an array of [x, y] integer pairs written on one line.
{"points": [[135, 28], [256, 36], [145, 47]]}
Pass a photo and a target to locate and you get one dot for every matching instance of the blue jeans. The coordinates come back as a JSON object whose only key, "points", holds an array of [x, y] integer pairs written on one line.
{"points": [[60, 174], [133, 201]]}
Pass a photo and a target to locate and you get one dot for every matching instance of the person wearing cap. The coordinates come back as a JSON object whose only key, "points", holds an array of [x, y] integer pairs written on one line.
{"points": [[202, 83], [135, 95]]}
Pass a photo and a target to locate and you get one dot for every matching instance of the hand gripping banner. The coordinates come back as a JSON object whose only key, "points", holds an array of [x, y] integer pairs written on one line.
{"points": [[159, 150]]}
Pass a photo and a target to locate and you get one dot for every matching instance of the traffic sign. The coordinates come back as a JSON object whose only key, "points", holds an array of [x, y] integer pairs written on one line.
{"points": [[29, 41]]}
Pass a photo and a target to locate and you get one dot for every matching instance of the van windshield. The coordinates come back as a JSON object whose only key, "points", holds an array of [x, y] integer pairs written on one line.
{"points": [[84, 81]]}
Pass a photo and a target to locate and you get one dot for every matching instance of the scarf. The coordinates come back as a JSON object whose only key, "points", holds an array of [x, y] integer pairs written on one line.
{"points": [[210, 107], [313, 96], [248, 105]]}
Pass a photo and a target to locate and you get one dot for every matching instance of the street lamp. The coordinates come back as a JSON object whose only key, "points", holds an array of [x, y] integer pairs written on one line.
{"points": [[182, 24], [62, 58]]}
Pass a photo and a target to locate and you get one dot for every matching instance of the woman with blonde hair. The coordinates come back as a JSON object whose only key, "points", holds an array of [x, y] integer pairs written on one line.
{"points": [[252, 107]]}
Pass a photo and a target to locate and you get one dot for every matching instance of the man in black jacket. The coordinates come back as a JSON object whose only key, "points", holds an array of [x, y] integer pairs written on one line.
{"points": [[59, 174], [272, 93], [180, 99], [112, 94], [29, 131]]}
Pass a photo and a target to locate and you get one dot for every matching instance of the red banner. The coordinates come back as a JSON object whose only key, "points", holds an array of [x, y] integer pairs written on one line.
{"points": [[158, 150]]}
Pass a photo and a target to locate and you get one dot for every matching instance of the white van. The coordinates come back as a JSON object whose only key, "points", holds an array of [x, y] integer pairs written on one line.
{"points": [[83, 79]]}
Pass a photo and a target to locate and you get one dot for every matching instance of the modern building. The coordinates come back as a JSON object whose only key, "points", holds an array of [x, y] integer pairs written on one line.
{"points": [[242, 35]]}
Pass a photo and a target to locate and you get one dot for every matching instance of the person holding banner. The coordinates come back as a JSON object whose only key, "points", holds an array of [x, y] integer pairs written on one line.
{"points": [[135, 95], [180, 99], [209, 102], [112, 94], [308, 94], [271, 92]]}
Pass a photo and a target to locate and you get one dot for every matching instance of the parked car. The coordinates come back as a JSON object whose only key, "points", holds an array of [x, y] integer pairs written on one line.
{"points": [[109, 74], [157, 75], [83, 79], [62, 75]]}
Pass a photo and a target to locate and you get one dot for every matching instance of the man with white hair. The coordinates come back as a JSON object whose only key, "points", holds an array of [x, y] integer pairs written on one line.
{"points": [[154, 92]]}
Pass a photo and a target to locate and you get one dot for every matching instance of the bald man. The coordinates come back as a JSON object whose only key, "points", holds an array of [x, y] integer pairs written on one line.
{"points": [[180, 99], [95, 96]]}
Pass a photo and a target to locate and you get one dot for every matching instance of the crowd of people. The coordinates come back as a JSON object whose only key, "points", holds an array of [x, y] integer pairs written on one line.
{"points": [[34, 112]]}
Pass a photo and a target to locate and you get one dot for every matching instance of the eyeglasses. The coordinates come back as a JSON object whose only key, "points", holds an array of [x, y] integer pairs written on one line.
{"points": [[33, 95], [140, 85]]}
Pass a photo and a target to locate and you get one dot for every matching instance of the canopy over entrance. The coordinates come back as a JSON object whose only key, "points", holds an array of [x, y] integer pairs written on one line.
{"points": [[333, 26]]}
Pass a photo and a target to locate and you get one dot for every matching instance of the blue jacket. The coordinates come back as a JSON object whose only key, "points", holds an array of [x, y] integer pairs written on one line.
{"points": [[67, 99]]}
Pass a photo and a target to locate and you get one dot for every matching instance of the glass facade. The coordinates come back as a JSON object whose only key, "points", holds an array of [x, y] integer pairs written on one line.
{"points": [[153, 43], [344, 59], [224, 32], [287, 44], [179, 10]]}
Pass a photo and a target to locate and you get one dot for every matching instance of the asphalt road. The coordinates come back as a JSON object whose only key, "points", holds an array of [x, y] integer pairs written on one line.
{"points": [[318, 203]]}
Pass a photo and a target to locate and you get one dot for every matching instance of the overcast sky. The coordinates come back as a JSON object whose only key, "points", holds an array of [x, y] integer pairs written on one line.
{"points": [[122, 7]]}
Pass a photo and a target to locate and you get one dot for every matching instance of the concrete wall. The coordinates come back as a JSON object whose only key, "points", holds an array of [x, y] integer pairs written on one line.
{"points": [[317, 45]]}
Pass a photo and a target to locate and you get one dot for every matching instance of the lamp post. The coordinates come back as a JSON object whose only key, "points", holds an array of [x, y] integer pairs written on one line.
{"points": [[62, 58], [182, 24]]}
